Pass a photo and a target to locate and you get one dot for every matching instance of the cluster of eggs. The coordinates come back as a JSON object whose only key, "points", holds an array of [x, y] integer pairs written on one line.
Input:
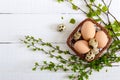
{"points": [[89, 40]]}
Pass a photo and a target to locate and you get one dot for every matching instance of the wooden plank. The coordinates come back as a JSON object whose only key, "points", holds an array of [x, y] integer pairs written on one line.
{"points": [[45, 6], [40, 19], [17, 63], [58, 76], [33, 6], [14, 27], [17, 58], [33, 75]]}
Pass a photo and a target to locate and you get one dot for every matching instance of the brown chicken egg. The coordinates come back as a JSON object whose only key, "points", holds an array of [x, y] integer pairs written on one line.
{"points": [[88, 30], [101, 38], [81, 47]]}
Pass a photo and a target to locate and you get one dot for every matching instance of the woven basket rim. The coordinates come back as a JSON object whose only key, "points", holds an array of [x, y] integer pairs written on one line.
{"points": [[82, 56]]}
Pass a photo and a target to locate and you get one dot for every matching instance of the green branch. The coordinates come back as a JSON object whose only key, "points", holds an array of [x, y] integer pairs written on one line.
{"points": [[72, 63]]}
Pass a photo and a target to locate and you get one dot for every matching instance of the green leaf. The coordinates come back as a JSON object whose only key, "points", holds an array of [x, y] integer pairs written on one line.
{"points": [[115, 43], [25, 42], [66, 52], [28, 46], [91, 14], [57, 47], [34, 68], [71, 77], [72, 21], [74, 7], [62, 17], [99, 5], [70, 0], [36, 64], [72, 62], [104, 8], [97, 20], [34, 49], [92, 0], [45, 62], [98, 12], [60, 1], [63, 61], [116, 29], [58, 57], [117, 34]]}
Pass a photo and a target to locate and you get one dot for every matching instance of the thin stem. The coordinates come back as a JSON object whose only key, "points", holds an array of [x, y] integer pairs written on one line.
{"points": [[104, 2], [70, 62], [49, 53], [109, 11], [94, 11], [109, 3], [114, 18], [77, 6], [108, 19], [111, 27], [57, 49]]}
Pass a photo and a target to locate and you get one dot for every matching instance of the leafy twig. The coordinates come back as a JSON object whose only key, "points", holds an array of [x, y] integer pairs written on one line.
{"points": [[80, 69], [107, 14], [76, 7], [72, 63], [94, 12]]}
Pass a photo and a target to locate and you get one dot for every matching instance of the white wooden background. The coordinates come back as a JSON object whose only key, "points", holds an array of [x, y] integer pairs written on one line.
{"points": [[38, 18]]}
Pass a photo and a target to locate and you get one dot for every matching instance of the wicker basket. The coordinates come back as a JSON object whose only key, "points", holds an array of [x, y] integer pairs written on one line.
{"points": [[71, 41]]}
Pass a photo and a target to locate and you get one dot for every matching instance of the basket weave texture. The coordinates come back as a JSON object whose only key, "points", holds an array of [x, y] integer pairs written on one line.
{"points": [[71, 41]]}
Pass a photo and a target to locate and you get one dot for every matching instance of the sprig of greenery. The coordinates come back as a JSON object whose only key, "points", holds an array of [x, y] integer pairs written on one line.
{"points": [[79, 68], [95, 12], [72, 21], [70, 64], [60, 0]]}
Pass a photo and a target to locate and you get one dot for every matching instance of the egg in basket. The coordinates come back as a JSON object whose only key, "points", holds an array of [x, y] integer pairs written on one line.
{"points": [[89, 40]]}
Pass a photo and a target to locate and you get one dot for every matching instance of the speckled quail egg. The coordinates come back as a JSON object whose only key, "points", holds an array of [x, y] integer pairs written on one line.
{"points": [[93, 43], [90, 56], [77, 36], [61, 27], [81, 46], [94, 51]]}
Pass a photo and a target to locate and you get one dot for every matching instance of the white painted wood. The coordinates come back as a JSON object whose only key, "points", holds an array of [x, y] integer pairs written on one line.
{"points": [[16, 63], [45, 6], [33, 6], [58, 76], [39, 18], [14, 27]]}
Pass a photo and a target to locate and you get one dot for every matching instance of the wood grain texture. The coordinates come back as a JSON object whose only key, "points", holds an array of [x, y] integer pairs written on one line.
{"points": [[39, 18], [13, 27], [46, 6]]}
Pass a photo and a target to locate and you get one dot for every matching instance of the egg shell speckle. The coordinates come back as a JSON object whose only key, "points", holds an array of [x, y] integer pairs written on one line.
{"points": [[101, 38], [81, 47], [88, 30]]}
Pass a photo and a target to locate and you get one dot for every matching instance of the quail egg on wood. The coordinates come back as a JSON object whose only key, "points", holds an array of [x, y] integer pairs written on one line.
{"points": [[61, 27], [88, 30], [81, 46]]}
